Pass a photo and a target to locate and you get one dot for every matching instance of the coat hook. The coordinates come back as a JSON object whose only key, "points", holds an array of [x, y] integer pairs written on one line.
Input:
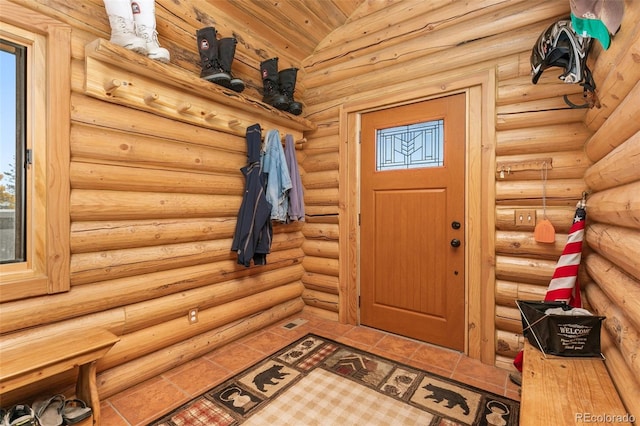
{"points": [[234, 123], [151, 98], [210, 115], [112, 85], [154, 98], [184, 107]]}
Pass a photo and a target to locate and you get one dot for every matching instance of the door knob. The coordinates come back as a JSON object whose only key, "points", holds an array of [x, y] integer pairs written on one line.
{"points": [[455, 242]]}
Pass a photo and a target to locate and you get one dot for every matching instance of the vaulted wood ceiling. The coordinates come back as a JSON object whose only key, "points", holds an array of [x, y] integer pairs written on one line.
{"points": [[299, 25]]}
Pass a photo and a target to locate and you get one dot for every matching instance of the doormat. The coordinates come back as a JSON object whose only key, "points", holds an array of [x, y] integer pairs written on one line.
{"points": [[317, 381]]}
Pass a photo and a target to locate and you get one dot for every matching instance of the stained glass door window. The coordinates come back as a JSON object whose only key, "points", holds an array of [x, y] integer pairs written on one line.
{"points": [[412, 146]]}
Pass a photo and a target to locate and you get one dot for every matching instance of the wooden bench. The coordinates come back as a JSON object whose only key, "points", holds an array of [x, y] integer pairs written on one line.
{"points": [[567, 391], [27, 360]]}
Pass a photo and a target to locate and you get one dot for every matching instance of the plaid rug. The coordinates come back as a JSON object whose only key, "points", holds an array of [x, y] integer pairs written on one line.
{"points": [[317, 381]]}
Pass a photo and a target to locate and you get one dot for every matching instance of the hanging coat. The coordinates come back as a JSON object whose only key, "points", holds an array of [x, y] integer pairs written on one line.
{"points": [[253, 234], [296, 197], [278, 181]]}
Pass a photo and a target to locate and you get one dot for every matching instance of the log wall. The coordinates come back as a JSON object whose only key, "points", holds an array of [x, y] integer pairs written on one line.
{"points": [[153, 207], [432, 40], [367, 59]]}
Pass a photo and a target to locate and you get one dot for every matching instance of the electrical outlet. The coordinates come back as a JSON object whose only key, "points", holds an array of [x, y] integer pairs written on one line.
{"points": [[525, 218], [193, 316]]}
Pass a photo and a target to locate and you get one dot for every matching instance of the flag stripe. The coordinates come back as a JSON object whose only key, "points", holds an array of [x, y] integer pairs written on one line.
{"points": [[564, 285]]}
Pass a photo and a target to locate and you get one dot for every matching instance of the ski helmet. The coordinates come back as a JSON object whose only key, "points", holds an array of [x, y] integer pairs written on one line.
{"points": [[560, 46]]}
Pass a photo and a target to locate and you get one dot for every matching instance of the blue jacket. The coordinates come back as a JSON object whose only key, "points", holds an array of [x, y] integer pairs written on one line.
{"points": [[275, 167]]}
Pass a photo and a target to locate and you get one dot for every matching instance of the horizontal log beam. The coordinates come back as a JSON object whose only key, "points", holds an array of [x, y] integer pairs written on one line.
{"points": [[508, 343], [539, 114], [560, 217], [118, 178], [617, 244], [620, 126], [618, 167], [321, 282], [328, 249], [531, 271], [319, 231], [110, 235], [97, 143], [322, 300], [321, 313], [508, 319], [540, 139], [617, 206], [321, 162], [520, 89], [321, 265], [318, 180], [620, 288], [321, 197], [564, 165], [507, 292], [558, 192], [521, 243], [89, 205]]}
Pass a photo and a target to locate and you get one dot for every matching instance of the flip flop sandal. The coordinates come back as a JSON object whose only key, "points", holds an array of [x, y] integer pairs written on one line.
{"points": [[49, 411], [75, 410]]}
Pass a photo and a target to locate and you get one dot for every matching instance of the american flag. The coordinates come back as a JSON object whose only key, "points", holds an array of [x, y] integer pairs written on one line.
{"points": [[564, 286]]}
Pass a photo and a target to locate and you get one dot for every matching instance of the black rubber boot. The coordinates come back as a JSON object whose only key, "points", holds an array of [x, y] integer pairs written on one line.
{"points": [[227, 49], [287, 87], [208, 48], [271, 88]]}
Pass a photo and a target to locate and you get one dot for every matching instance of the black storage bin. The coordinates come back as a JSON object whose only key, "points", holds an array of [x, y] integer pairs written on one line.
{"points": [[563, 335]]}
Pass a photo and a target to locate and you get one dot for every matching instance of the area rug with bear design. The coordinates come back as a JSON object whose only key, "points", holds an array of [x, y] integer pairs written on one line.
{"points": [[317, 381]]}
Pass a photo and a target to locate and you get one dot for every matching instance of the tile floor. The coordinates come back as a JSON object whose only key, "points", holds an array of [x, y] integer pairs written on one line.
{"points": [[149, 400]]}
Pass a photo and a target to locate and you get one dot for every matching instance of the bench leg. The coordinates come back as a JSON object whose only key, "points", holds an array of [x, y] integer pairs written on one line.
{"points": [[87, 390]]}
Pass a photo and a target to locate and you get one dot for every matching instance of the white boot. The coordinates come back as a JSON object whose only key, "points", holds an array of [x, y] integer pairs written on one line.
{"points": [[122, 26], [144, 15]]}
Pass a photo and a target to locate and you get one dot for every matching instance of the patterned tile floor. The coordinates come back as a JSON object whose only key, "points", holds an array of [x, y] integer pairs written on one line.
{"points": [[154, 397]]}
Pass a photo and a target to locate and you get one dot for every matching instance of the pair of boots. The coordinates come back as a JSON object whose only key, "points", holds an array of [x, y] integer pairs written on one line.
{"points": [[278, 87], [133, 26], [216, 58]]}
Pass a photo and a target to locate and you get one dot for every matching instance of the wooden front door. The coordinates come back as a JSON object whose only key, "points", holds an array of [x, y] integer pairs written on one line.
{"points": [[412, 278]]}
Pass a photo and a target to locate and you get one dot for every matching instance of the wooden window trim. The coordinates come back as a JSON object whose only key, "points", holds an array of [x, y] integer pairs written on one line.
{"points": [[47, 268]]}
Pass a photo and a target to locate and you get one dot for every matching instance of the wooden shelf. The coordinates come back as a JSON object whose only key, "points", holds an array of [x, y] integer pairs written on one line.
{"points": [[115, 74]]}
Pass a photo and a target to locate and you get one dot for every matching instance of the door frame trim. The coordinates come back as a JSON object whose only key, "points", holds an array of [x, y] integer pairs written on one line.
{"points": [[480, 88]]}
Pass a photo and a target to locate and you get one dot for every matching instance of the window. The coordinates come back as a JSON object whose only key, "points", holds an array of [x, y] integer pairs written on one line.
{"points": [[34, 141], [12, 145], [413, 146]]}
